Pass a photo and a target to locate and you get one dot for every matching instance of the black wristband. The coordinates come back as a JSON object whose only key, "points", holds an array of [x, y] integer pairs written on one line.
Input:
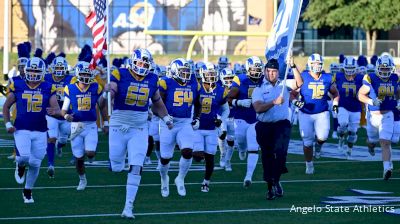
{"points": [[293, 66]]}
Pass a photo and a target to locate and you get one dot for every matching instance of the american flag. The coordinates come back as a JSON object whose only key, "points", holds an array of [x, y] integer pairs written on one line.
{"points": [[96, 21]]}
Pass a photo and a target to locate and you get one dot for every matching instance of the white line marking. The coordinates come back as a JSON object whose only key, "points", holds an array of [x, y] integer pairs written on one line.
{"points": [[169, 213], [212, 183], [154, 162]]}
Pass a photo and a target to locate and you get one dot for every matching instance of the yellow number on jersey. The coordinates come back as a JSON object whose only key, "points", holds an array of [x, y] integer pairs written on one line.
{"points": [[137, 96], [84, 103], [250, 92], [317, 90], [181, 97], [349, 87], [385, 91], [33, 102], [206, 105]]}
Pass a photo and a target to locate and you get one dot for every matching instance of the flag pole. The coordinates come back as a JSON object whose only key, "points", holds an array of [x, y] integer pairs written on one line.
{"points": [[108, 57], [290, 48]]}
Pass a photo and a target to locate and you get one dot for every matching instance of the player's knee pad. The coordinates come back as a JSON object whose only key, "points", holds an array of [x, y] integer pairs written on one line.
{"points": [[187, 153], [198, 156], [342, 129], [222, 136], [34, 162], [352, 137], [116, 166], [308, 143], [135, 170], [51, 140], [165, 161], [230, 143], [90, 154]]}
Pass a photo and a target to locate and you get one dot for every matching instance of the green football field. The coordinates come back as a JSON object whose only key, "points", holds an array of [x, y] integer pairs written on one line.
{"points": [[57, 201]]}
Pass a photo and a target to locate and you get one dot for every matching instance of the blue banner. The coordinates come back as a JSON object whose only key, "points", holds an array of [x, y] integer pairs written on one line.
{"points": [[282, 33]]}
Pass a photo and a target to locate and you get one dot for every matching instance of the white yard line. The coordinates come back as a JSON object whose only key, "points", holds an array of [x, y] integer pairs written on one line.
{"points": [[170, 213], [212, 183]]}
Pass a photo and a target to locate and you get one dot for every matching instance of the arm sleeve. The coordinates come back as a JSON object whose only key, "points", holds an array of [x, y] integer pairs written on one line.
{"points": [[66, 104]]}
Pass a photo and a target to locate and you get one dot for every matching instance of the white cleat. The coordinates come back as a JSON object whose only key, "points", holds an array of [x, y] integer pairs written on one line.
{"points": [[242, 155], [205, 188], [222, 163], [128, 211], [27, 196], [310, 169], [246, 183], [228, 166], [340, 145], [82, 185], [19, 174], [158, 165], [165, 187], [180, 186], [147, 161]]}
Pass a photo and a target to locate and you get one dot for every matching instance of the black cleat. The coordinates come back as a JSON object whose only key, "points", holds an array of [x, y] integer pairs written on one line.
{"points": [[271, 194], [387, 174]]}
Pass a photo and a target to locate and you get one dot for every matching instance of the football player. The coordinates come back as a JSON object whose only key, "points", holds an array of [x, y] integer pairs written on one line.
{"points": [[197, 67], [179, 93], [33, 97], [314, 119], [381, 92], [131, 89], [334, 69], [226, 77], [245, 116], [212, 99], [348, 84], [58, 127], [82, 96], [223, 62]]}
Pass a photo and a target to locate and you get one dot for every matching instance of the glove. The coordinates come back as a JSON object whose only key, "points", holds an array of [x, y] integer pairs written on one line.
{"points": [[218, 122], [242, 103], [169, 121], [196, 124], [335, 109], [124, 128], [10, 128], [299, 104]]}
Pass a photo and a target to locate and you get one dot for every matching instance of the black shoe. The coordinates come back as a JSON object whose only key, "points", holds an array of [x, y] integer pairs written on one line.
{"points": [[271, 194], [387, 174], [278, 190]]}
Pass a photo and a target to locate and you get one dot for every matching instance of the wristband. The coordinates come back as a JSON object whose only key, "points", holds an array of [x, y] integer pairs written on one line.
{"points": [[293, 66], [370, 102], [65, 116], [335, 103], [9, 125]]}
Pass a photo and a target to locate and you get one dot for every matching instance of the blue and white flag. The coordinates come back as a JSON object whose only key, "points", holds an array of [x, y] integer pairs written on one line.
{"points": [[282, 34]]}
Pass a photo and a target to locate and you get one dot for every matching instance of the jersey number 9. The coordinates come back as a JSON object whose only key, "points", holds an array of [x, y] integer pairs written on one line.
{"points": [[84, 104], [206, 105]]}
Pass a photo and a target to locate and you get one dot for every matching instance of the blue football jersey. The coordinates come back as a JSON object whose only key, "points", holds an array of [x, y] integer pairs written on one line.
{"points": [[314, 92], [246, 87], [385, 90], [179, 98], [348, 92], [59, 86], [133, 94], [31, 105], [83, 101], [396, 114], [210, 105]]}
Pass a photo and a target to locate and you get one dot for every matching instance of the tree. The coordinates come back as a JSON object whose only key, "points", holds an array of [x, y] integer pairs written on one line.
{"points": [[369, 15]]}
